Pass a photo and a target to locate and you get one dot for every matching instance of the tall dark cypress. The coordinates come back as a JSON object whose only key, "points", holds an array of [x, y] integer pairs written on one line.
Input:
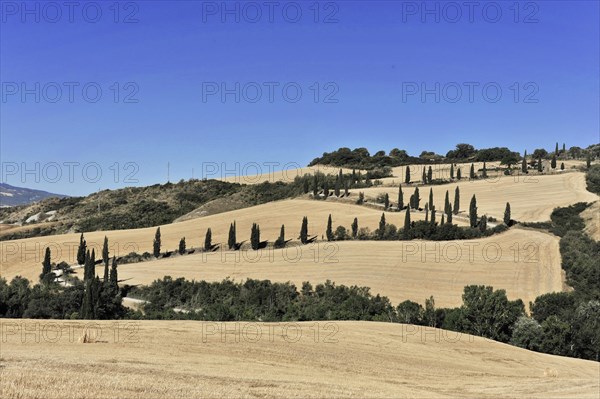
{"points": [[336, 189], [407, 175], [458, 174], [556, 150], [406, 230], [429, 175], [456, 208], [484, 172], [326, 188], [105, 259], [472, 172], [382, 224], [424, 176], [355, 228], [156, 243], [114, 278], [280, 242], [46, 265], [315, 186], [540, 167], [386, 201], [231, 240], [255, 236], [304, 230], [507, 214], [524, 163], [452, 171], [329, 231], [181, 248], [208, 240], [431, 197], [553, 162], [81, 250], [400, 198], [473, 212]]}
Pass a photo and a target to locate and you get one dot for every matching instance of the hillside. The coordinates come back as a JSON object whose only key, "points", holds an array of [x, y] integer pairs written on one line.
{"points": [[18, 255], [157, 359], [14, 196]]}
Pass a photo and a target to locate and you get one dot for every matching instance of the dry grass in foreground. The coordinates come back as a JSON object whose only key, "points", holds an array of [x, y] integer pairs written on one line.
{"points": [[176, 359]]}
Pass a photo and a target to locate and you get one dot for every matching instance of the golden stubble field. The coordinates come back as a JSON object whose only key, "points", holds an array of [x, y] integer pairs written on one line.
{"points": [[523, 262], [23, 257], [187, 359], [532, 198]]}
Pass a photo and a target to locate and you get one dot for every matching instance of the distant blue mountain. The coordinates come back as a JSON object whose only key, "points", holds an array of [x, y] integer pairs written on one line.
{"points": [[13, 196]]}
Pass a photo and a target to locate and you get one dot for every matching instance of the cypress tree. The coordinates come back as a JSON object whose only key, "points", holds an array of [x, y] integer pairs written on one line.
{"points": [[231, 240], [427, 212], [336, 188], [386, 201], [93, 264], [564, 150], [484, 172], [452, 171], [341, 175], [472, 172], [156, 244], [562, 166], [81, 250], [86, 266], [524, 163], [540, 167], [400, 198], [429, 175], [553, 162], [416, 198], [405, 231], [507, 214], [113, 274], [361, 198], [473, 212], [424, 176], [353, 182], [458, 174], [407, 175], [431, 197], [208, 240], [381, 231], [304, 230], [182, 246], [305, 185], [346, 192], [456, 201], [329, 231], [556, 149], [448, 207], [433, 215], [442, 222], [315, 185], [46, 265], [326, 188], [280, 243], [483, 224], [355, 228], [105, 259], [255, 236]]}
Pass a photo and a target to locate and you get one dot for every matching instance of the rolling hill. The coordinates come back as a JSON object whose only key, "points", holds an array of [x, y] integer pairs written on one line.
{"points": [[157, 359]]}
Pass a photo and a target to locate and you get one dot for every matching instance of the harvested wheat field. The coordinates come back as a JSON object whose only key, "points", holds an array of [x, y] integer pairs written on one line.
{"points": [[532, 198], [264, 173], [525, 263], [23, 257], [159, 359]]}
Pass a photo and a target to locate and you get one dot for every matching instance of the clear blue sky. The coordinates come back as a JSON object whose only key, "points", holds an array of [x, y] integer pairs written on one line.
{"points": [[370, 53]]}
